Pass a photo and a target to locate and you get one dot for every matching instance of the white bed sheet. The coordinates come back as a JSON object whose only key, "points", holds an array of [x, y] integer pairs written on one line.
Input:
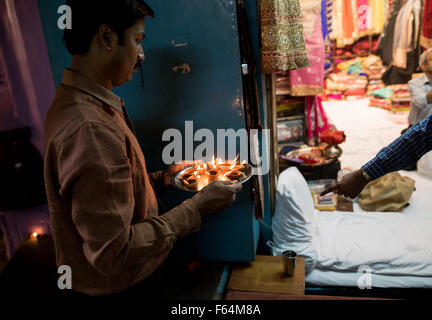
{"points": [[396, 246]]}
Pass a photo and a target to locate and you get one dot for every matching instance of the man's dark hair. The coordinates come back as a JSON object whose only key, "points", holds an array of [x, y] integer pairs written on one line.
{"points": [[89, 15]]}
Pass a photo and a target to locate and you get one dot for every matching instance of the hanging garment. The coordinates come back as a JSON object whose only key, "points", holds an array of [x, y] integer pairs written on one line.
{"points": [[364, 18], [407, 29], [385, 45], [283, 46], [324, 26], [344, 22], [426, 35], [329, 16], [379, 12], [394, 74], [317, 121], [309, 81]]}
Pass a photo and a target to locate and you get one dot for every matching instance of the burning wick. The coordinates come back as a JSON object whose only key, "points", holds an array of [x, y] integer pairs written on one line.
{"points": [[202, 173]]}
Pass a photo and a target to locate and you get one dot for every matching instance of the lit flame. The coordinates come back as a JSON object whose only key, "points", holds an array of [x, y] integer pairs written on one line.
{"points": [[223, 168]]}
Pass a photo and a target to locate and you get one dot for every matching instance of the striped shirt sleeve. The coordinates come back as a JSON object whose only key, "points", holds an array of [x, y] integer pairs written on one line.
{"points": [[403, 152]]}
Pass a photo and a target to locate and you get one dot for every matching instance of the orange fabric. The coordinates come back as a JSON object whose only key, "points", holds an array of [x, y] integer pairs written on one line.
{"points": [[348, 18]]}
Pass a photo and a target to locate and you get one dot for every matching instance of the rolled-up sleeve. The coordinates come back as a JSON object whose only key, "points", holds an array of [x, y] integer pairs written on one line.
{"points": [[157, 181], [402, 152], [94, 172]]}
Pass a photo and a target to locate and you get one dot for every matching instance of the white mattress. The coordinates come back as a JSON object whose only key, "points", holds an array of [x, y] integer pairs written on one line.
{"points": [[397, 247], [326, 278]]}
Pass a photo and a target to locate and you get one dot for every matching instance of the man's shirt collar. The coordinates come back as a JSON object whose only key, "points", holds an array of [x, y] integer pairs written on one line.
{"points": [[80, 82]]}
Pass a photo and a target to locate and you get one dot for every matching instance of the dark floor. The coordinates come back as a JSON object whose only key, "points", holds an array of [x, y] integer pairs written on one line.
{"points": [[3, 258]]}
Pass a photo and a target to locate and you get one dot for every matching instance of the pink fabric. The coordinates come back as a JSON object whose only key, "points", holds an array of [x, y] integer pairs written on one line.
{"points": [[310, 80], [317, 121], [363, 10]]}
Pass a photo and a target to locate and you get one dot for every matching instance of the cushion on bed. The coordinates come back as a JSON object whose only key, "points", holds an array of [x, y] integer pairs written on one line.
{"points": [[292, 223]]}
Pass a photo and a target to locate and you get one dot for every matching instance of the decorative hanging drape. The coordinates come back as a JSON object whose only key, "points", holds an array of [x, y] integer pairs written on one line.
{"points": [[353, 19], [364, 14], [344, 22], [283, 45], [316, 118], [309, 81]]}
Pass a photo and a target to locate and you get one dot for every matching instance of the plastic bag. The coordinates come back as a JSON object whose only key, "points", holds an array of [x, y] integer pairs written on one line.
{"points": [[391, 192]]}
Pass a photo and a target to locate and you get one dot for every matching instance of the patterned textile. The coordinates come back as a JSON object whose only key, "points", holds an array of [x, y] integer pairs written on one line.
{"points": [[310, 81], [283, 46], [426, 36], [364, 17], [324, 24], [404, 152], [353, 19], [329, 13]]}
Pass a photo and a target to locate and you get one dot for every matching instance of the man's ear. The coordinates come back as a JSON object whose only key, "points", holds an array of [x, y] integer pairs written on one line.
{"points": [[106, 37]]}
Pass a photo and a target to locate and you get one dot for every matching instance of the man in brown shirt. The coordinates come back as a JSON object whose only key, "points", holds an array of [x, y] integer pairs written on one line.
{"points": [[102, 203]]}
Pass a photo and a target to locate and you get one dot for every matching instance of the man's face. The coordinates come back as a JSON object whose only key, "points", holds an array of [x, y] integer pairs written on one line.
{"points": [[127, 54]]}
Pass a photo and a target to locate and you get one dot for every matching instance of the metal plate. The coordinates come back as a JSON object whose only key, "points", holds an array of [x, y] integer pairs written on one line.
{"points": [[295, 154], [180, 185]]}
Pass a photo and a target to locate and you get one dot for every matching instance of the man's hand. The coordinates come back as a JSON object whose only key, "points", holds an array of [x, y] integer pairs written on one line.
{"points": [[173, 169], [216, 196], [350, 186], [406, 129]]}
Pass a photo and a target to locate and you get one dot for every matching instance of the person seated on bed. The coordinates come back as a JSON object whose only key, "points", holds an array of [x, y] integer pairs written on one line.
{"points": [[403, 152], [420, 90]]}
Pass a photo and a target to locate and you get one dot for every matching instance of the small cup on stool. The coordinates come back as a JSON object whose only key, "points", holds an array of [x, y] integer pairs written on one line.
{"points": [[289, 260]]}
